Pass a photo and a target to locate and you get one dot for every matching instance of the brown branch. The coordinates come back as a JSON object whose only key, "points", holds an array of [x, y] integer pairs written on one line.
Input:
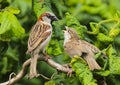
{"points": [[56, 65], [59, 67], [20, 75], [26, 64]]}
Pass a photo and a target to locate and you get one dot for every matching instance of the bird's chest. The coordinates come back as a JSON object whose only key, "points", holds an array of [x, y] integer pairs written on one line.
{"points": [[42, 46]]}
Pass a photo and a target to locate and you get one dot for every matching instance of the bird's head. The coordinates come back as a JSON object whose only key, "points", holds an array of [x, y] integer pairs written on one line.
{"points": [[70, 33], [48, 17]]}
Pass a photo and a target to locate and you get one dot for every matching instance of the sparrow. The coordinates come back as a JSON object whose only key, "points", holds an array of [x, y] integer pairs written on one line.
{"points": [[39, 38], [73, 45]]}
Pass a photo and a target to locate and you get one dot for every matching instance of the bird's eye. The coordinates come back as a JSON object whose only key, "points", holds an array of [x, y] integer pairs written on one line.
{"points": [[49, 16]]}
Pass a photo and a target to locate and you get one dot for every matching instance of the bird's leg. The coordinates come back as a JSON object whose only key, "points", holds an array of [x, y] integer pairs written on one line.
{"points": [[33, 67]]}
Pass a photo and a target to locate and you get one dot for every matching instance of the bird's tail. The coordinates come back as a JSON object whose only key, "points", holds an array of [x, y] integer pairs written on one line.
{"points": [[33, 66], [92, 63]]}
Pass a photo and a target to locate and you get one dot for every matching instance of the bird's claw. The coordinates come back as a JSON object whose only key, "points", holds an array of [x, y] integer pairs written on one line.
{"points": [[69, 74], [67, 66]]}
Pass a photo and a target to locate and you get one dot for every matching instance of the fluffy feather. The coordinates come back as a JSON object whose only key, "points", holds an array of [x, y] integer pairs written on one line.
{"points": [[75, 46], [39, 38]]}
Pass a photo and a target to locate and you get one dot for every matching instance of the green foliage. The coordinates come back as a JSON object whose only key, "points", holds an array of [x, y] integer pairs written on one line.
{"points": [[50, 83], [71, 21], [114, 61], [82, 71], [12, 38], [103, 38], [54, 48], [41, 7], [63, 79], [96, 21], [10, 26], [114, 32]]}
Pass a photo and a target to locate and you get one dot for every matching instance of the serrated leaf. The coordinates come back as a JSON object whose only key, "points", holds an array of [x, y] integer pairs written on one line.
{"points": [[115, 65], [114, 61], [114, 32], [104, 38], [54, 48], [10, 27], [82, 72], [12, 10], [73, 22], [15, 26], [6, 36], [5, 25]]}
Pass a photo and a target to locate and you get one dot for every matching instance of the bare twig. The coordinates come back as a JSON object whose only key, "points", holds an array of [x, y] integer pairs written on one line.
{"points": [[58, 66], [26, 64], [20, 75]]}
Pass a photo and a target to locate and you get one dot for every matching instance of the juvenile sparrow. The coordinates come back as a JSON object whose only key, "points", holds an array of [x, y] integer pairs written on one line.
{"points": [[73, 45], [40, 36]]}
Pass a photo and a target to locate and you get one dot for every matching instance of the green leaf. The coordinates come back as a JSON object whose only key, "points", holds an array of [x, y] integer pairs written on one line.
{"points": [[115, 65], [104, 38], [94, 28], [5, 24], [17, 29], [50, 83], [82, 72], [12, 10], [12, 53], [54, 48], [6, 36], [10, 27], [114, 32], [72, 22], [103, 73], [41, 7], [4, 64], [114, 61]]}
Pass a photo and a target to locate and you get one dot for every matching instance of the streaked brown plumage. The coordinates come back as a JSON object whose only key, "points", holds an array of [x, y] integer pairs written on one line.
{"points": [[75, 46], [40, 36]]}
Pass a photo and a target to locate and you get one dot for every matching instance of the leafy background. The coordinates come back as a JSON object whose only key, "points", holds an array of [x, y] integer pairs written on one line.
{"points": [[96, 21]]}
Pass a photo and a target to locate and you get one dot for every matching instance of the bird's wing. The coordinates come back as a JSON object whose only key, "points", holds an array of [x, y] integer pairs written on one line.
{"points": [[89, 46], [74, 48], [38, 35]]}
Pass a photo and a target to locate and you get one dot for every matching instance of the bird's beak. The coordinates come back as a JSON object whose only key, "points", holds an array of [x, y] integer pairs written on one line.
{"points": [[63, 30], [55, 18], [66, 27]]}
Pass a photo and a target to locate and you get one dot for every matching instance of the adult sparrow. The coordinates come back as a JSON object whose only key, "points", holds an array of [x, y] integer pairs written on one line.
{"points": [[40, 36], [73, 45]]}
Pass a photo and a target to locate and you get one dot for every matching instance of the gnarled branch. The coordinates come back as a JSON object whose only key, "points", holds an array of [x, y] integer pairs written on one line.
{"points": [[26, 64]]}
